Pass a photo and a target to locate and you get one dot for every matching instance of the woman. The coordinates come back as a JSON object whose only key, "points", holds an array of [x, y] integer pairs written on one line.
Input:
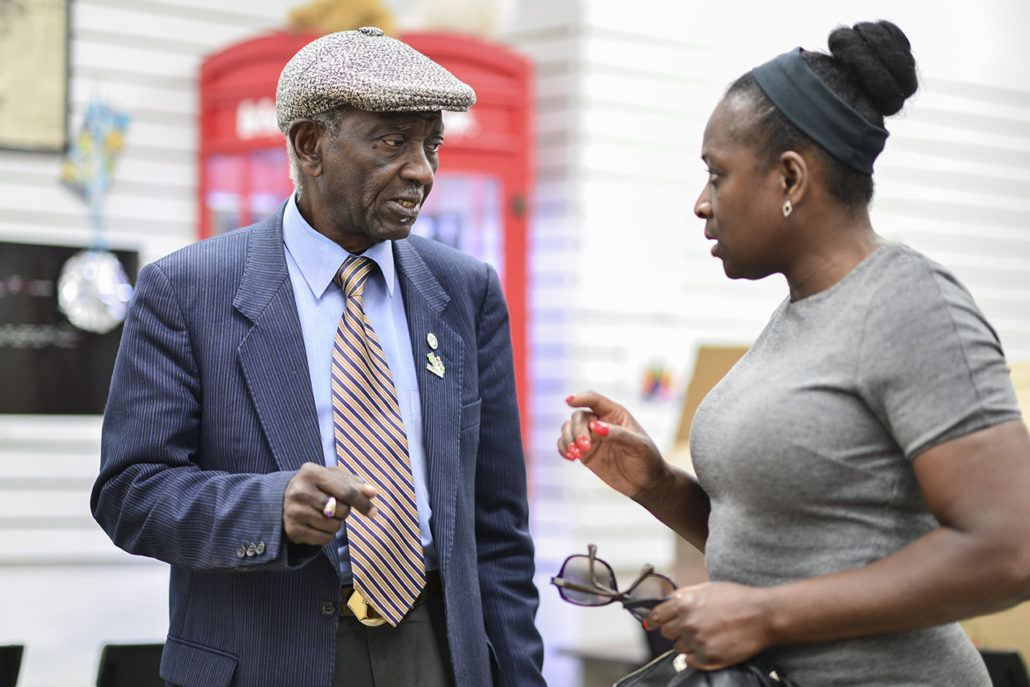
{"points": [[862, 472]]}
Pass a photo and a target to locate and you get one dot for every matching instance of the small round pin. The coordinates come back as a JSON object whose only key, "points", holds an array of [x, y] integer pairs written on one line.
{"points": [[431, 340]]}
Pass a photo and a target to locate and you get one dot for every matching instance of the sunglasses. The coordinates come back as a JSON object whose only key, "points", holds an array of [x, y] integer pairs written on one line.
{"points": [[589, 581]]}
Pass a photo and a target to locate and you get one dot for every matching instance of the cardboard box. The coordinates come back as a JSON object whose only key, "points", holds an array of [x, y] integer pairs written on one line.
{"points": [[712, 363]]}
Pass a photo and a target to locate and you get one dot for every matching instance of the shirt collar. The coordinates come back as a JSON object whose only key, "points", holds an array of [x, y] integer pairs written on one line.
{"points": [[319, 257]]}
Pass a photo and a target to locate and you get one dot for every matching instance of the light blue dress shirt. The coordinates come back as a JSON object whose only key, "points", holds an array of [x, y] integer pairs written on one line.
{"points": [[313, 261]]}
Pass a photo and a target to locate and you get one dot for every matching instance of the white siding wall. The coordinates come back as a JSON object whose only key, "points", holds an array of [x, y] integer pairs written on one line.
{"points": [[549, 33]]}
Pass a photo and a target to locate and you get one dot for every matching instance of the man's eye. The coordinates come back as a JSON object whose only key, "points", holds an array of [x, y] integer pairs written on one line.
{"points": [[394, 142], [434, 146]]}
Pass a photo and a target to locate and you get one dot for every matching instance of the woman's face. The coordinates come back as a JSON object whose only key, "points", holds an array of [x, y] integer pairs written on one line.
{"points": [[741, 203]]}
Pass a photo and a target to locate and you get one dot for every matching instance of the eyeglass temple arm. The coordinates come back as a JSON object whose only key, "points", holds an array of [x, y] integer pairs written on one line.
{"points": [[592, 555], [644, 572], [642, 603], [576, 586]]}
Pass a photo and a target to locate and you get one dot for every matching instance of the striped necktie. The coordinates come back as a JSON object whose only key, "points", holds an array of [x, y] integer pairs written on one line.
{"points": [[385, 551]]}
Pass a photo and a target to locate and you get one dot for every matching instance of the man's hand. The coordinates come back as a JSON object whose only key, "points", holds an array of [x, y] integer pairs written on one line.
{"points": [[307, 493]]}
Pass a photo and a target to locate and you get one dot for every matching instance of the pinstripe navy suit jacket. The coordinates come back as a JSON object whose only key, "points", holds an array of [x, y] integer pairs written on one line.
{"points": [[210, 414]]}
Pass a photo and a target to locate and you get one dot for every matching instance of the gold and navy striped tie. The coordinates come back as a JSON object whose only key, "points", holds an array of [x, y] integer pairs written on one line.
{"points": [[385, 551]]}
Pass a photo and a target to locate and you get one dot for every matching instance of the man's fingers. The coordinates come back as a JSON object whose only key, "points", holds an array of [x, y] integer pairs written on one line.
{"points": [[318, 499], [312, 536], [305, 525], [362, 502], [350, 491], [329, 509]]}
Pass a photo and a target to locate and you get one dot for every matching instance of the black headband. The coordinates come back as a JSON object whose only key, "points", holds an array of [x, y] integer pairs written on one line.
{"points": [[820, 113]]}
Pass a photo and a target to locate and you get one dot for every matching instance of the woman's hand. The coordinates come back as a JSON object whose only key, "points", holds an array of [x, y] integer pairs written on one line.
{"points": [[716, 624], [608, 440]]}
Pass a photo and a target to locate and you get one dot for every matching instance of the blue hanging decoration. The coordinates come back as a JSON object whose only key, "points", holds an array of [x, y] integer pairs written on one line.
{"points": [[93, 290]]}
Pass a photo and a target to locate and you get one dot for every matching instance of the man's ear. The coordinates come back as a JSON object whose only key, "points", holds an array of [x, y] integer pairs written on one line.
{"points": [[795, 176], [306, 136]]}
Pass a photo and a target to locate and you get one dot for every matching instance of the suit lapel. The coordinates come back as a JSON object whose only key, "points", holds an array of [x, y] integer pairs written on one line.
{"points": [[424, 302], [272, 354]]}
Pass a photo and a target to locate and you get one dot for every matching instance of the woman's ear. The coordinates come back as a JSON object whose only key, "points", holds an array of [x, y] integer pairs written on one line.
{"points": [[306, 136], [795, 176]]}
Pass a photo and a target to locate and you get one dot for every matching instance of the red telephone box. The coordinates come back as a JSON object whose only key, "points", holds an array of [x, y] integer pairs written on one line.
{"points": [[478, 203]]}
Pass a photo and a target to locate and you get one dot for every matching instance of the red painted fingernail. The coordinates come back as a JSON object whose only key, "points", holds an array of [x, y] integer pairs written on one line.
{"points": [[569, 399], [599, 428], [575, 452], [568, 456], [584, 442], [644, 623]]}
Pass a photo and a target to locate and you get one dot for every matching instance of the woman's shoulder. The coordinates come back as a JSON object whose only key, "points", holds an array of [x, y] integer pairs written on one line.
{"points": [[917, 304], [904, 278]]}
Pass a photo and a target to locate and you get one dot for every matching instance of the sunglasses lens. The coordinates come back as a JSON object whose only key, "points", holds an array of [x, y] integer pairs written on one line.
{"points": [[653, 586], [577, 571]]}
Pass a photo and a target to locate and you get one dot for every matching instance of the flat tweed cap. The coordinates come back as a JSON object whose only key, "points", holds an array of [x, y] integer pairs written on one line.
{"points": [[367, 70]]}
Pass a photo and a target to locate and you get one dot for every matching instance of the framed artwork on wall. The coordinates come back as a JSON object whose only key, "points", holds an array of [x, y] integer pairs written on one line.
{"points": [[34, 74]]}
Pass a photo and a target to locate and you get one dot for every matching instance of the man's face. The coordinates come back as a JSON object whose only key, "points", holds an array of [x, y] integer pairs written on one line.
{"points": [[375, 175]]}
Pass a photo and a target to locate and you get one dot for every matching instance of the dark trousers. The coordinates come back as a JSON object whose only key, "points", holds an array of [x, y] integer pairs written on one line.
{"points": [[413, 654]]}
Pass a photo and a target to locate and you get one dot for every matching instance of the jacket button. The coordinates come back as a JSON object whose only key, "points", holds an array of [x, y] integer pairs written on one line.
{"points": [[328, 609], [260, 548], [252, 549], [241, 551]]}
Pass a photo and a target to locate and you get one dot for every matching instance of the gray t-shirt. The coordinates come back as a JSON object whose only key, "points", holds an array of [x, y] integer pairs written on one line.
{"points": [[805, 449]]}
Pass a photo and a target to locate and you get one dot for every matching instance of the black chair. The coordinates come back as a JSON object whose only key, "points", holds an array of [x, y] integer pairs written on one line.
{"points": [[130, 665], [1006, 668], [10, 664]]}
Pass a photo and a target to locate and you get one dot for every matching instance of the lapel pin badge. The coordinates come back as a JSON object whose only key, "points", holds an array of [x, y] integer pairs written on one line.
{"points": [[435, 364], [431, 340]]}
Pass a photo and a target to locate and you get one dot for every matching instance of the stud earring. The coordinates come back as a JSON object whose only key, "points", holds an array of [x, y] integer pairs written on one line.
{"points": [[787, 208]]}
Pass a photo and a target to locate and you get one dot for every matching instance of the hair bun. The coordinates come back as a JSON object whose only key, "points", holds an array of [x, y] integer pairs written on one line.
{"points": [[879, 57]]}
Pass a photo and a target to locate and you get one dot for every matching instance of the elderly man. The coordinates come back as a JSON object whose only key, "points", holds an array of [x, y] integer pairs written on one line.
{"points": [[313, 419]]}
